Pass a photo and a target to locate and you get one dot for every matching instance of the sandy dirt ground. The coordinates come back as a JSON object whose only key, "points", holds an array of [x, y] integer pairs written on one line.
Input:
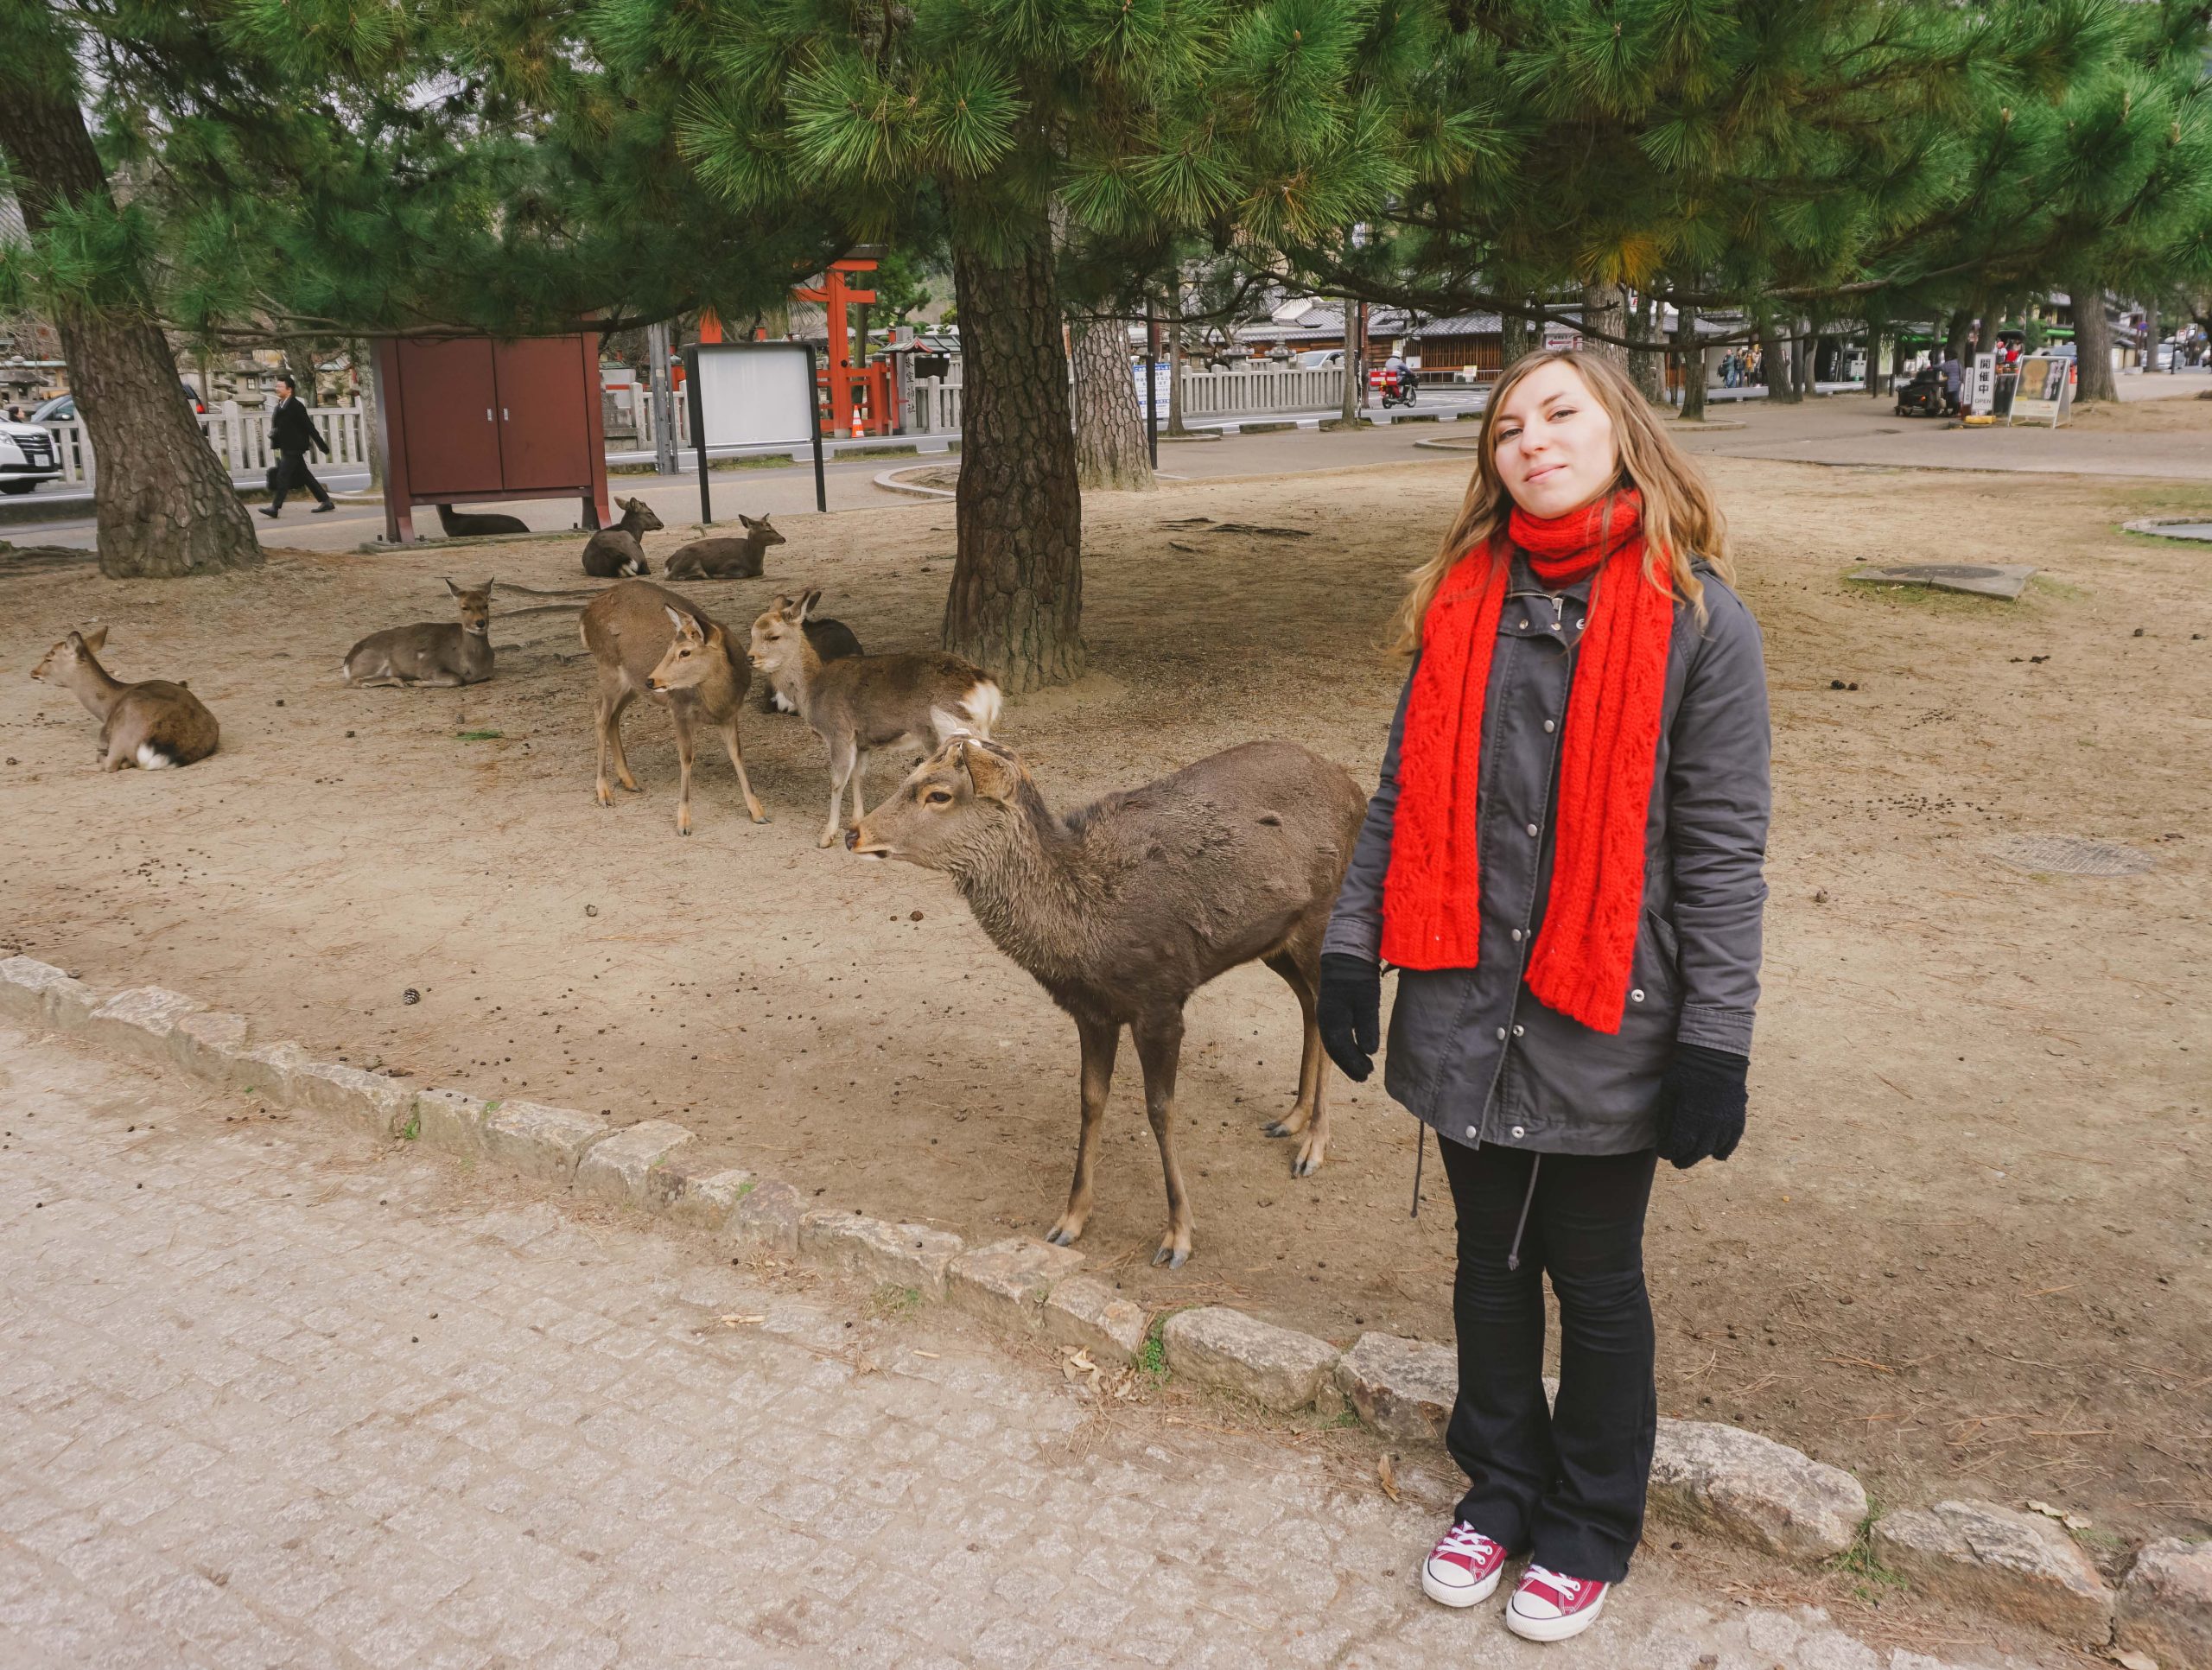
{"points": [[1966, 1247]]}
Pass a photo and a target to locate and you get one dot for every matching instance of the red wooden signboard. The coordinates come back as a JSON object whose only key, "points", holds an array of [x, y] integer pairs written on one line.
{"points": [[468, 420]]}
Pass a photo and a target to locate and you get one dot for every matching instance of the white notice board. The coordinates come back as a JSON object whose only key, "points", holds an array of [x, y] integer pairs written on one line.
{"points": [[753, 394]]}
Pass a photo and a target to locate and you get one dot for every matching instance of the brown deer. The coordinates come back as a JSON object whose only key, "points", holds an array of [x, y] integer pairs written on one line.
{"points": [[471, 524], [1123, 910], [434, 652], [612, 552], [833, 640], [151, 724], [643, 638], [863, 701], [720, 557]]}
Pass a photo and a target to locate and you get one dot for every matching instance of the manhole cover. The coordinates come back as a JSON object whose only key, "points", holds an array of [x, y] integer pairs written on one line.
{"points": [[2058, 854], [2165, 529]]}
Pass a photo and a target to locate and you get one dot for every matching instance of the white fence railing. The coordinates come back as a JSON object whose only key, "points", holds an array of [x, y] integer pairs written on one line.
{"points": [[1206, 394], [240, 439]]}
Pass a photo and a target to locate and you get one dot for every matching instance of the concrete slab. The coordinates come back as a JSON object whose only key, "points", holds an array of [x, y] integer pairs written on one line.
{"points": [[2004, 580]]}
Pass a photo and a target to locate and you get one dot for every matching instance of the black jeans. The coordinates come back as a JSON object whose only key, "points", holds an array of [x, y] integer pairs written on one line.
{"points": [[1565, 1483], [292, 472]]}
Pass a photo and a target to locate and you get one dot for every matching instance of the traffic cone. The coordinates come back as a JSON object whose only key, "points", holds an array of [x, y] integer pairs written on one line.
{"points": [[857, 433]]}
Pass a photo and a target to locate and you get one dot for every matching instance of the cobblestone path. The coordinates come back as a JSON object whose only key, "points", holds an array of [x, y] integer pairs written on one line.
{"points": [[268, 1397]]}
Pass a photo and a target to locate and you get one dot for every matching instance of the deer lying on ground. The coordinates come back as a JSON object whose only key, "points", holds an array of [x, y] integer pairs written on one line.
{"points": [[864, 701], [645, 640], [612, 552], [720, 557], [435, 652], [466, 524], [1123, 910], [833, 640], [150, 725]]}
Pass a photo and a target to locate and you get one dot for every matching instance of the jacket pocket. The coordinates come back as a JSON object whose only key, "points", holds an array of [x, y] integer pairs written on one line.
{"points": [[1658, 954]]}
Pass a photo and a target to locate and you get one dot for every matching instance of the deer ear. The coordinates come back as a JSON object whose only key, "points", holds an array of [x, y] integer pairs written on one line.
{"points": [[96, 638], [996, 776], [450, 587], [749, 521], [806, 604], [685, 625]]}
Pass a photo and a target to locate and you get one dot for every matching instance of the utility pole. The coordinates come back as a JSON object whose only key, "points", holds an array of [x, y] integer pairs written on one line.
{"points": [[664, 401]]}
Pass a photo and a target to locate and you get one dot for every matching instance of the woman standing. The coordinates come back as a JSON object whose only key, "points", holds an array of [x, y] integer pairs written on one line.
{"points": [[1564, 864]]}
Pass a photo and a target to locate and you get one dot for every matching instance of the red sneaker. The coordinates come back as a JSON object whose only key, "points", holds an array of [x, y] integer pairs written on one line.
{"points": [[1463, 1568], [1547, 1605]]}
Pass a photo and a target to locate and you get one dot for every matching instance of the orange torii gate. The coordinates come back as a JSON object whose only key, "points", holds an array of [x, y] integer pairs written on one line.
{"points": [[863, 397]]}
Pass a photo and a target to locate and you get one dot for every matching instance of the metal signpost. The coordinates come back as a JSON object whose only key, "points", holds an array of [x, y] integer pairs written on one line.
{"points": [[745, 394]]}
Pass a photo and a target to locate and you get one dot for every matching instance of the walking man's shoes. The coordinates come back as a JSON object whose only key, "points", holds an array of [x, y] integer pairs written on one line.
{"points": [[1548, 1605], [1463, 1568], [268, 512], [323, 508]]}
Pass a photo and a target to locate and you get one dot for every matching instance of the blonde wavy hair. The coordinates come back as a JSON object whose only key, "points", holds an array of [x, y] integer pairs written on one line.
{"points": [[1682, 522]]}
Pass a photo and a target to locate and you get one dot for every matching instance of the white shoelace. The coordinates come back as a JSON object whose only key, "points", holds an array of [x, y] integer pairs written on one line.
{"points": [[1464, 1539], [1567, 1588]]}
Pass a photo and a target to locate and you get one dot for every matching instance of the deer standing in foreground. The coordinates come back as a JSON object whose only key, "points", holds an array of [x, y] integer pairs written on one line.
{"points": [[434, 652], [612, 552], [864, 701], [1123, 910], [722, 557], [470, 524], [645, 640], [151, 724]]}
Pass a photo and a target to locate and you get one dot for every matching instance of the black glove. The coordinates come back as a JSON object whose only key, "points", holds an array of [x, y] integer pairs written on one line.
{"points": [[1702, 1102], [1350, 1012]]}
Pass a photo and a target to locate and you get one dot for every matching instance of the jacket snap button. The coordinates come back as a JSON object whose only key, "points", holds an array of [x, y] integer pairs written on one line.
{"points": [[1636, 996], [1472, 1134], [1500, 1034], [1517, 935], [1550, 726], [1518, 1132], [1532, 831], [1519, 1030]]}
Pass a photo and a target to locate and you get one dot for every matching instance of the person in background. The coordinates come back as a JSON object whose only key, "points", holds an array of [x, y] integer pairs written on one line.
{"points": [[1564, 863], [292, 432], [1953, 375]]}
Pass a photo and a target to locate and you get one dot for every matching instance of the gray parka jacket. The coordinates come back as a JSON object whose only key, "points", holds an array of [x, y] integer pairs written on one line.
{"points": [[1472, 1052]]}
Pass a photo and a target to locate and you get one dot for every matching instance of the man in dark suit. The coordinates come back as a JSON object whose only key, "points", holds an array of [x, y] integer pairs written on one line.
{"points": [[291, 432]]}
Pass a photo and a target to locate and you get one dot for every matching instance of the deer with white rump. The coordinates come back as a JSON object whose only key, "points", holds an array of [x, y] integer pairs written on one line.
{"points": [[1123, 910], [645, 640], [860, 703], [150, 724]]}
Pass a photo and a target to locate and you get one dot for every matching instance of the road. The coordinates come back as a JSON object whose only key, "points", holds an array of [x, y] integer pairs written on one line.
{"points": [[276, 1397]]}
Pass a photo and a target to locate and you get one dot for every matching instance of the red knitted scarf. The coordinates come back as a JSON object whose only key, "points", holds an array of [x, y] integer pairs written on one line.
{"points": [[1432, 895]]}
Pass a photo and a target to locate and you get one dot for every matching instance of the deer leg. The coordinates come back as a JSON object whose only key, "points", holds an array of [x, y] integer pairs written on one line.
{"points": [[611, 705], [1099, 1043], [737, 758], [860, 771], [841, 768], [682, 714], [1160, 1047], [1307, 1117]]}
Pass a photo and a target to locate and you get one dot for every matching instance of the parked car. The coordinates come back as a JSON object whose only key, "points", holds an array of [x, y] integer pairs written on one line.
{"points": [[27, 457], [62, 409], [1472, 374], [1315, 359]]}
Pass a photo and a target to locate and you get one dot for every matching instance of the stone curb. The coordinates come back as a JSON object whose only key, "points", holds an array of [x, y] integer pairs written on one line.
{"points": [[1732, 1483]]}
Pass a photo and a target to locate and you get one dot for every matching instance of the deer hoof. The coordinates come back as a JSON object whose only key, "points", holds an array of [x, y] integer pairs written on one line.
{"points": [[605, 798], [1306, 1166], [1172, 1256], [1276, 1128]]}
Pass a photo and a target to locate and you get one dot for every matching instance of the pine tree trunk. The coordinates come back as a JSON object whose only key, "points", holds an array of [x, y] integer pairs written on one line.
{"points": [[1602, 311], [1774, 360], [1016, 604], [161, 501], [1644, 364], [1691, 359], [1349, 414], [2093, 347], [1512, 339], [1801, 360], [1109, 439]]}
